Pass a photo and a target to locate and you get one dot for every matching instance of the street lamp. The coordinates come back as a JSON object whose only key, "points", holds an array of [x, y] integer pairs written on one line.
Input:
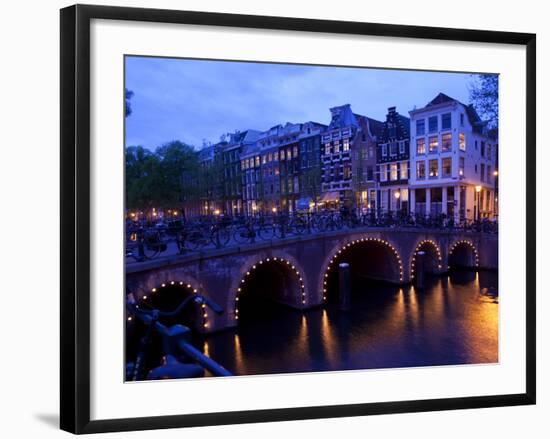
{"points": [[274, 210], [495, 173], [397, 195]]}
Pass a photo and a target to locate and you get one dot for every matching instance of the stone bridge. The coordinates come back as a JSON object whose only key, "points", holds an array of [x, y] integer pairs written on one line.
{"points": [[299, 271]]}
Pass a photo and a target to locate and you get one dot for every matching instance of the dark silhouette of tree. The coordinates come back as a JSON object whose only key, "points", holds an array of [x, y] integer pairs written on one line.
{"points": [[127, 96], [144, 185], [484, 97], [179, 165], [166, 178]]}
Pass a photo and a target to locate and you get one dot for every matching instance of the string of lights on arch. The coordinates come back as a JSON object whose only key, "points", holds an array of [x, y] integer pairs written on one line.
{"points": [[469, 244], [255, 266], [417, 249], [194, 290], [357, 241]]}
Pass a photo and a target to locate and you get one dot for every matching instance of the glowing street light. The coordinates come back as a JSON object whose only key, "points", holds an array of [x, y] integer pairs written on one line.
{"points": [[397, 195], [478, 188], [274, 210], [217, 212], [495, 173]]}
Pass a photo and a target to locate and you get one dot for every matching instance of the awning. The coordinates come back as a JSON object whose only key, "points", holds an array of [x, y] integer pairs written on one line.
{"points": [[330, 196]]}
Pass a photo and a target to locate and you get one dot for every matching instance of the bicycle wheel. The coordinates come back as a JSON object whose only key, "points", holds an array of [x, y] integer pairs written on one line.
{"points": [[241, 235], [298, 226], [221, 237], [266, 232]]}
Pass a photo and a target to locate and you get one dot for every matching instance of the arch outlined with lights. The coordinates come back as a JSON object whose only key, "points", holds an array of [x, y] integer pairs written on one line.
{"points": [[284, 260], [341, 248], [468, 244], [177, 283], [418, 247]]}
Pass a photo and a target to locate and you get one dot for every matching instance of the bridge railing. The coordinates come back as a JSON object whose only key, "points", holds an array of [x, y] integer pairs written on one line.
{"points": [[147, 241]]}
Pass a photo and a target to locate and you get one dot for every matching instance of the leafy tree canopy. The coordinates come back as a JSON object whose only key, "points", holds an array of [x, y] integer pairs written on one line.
{"points": [[484, 97]]}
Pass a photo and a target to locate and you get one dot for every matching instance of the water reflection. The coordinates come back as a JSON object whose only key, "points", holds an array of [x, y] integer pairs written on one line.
{"points": [[453, 320]]}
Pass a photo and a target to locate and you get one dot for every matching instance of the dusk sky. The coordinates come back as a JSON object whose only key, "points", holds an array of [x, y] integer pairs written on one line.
{"points": [[191, 100]]}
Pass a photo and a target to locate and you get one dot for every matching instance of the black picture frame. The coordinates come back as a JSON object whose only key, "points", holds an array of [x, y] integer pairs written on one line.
{"points": [[75, 217]]}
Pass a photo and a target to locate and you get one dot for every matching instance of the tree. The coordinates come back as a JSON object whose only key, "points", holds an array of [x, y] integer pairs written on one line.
{"points": [[311, 183], [484, 97], [179, 166], [143, 178], [127, 96]]}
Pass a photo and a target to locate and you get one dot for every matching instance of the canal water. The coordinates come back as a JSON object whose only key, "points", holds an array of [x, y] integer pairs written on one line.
{"points": [[453, 320]]}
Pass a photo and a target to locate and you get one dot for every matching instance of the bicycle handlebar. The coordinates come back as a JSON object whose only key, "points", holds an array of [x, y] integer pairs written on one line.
{"points": [[197, 298]]}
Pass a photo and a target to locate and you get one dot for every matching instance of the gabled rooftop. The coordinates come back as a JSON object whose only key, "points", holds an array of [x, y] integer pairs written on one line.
{"points": [[471, 112], [342, 117]]}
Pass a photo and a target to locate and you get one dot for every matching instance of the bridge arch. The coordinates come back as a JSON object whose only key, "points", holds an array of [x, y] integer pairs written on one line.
{"points": [[167, 295], [434, 257], [283, 281], [383, 256], [463, 253]]}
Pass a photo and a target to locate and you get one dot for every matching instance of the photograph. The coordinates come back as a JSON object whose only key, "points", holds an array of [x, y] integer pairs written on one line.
{"points": [[294, 218]]}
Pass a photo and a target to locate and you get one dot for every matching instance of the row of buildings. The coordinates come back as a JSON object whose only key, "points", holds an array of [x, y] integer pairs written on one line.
{"points": [[439, 159]]}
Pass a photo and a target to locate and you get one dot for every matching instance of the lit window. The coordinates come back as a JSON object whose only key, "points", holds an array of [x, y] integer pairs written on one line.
{"points": [[282, 154], [347, 172], [257, 160], [288, 153], [421, 170], [264, 159], [393, 171], [446, 142], [433, 144], [295, 151], [276, 156], [383, 175], [403, 170], [337, 147], [447, 166], [434, 168], [421, 146], [462, 142], [346, 145], [461, 167]]}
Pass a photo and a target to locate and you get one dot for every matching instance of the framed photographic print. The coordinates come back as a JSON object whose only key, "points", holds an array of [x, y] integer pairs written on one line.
{"points": [[268, 218]]}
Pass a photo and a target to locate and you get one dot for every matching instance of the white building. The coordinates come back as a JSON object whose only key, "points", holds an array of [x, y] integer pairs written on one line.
{"points": [[452, 161]]}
